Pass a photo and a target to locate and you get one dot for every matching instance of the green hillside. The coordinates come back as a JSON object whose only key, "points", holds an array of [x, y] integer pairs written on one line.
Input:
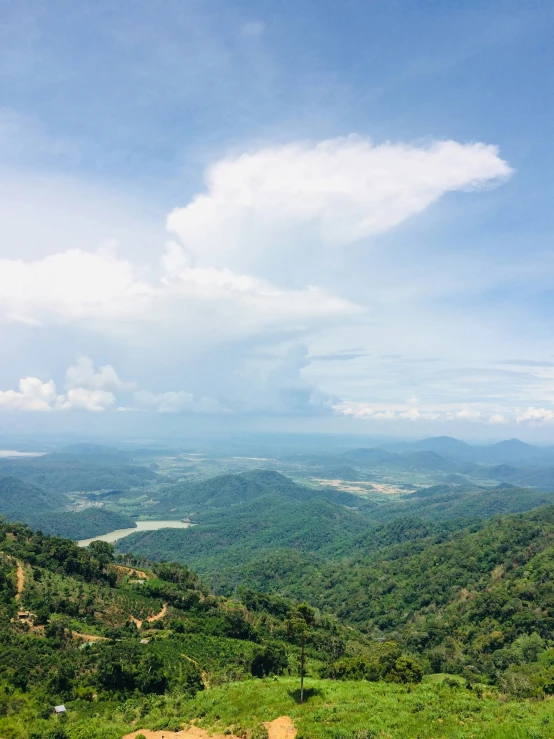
{"points": [[448, 502], [469, 600], [223, 491], [80, 525], [231, 536], [19, 499], [97, 640], [231, 664], [65, 473], [241, 518]]}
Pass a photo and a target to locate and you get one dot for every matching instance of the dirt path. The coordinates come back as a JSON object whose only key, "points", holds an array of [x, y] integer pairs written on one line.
{"points": [[159, 615], [203, 675], [194, 732], [281, 728], [20, 575], [87, 637], [150, 619], [20, 580]]}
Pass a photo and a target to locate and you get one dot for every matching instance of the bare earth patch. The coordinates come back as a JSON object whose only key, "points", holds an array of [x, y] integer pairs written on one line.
{"points": [[159, 615], [281, 728], [193, 732], [20, 580], [150, 619], [87, 637], [131, 571], [363, 488]]}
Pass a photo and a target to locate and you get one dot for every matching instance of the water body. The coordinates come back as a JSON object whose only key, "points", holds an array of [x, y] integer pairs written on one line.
{"points": [[118, 534], [13, 453]]}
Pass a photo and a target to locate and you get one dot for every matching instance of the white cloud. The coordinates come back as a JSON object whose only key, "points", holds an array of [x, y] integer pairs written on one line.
{"points": [[467, 414], [270, 211], [281, 389], [88, 390], [36, 395], [71, 285], [83, 375], [106, 293], [366, 411], [80, 398], [33, 395], [239, 278], [176, 402], [537, 415], [286, 199]]}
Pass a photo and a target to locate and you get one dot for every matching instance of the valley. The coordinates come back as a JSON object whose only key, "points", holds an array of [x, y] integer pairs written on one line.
{"points": [[429, 595]]}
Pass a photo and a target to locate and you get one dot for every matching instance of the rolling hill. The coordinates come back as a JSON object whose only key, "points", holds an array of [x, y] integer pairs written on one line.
{"points": [[19, 499], [65, 473]]}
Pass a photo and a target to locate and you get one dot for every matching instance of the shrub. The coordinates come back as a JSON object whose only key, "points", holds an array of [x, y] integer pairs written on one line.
{"points": [[406, 670]]}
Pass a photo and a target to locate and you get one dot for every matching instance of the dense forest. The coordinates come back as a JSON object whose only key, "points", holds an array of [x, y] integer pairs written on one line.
{"points": [[66, 473], [463, 598]]}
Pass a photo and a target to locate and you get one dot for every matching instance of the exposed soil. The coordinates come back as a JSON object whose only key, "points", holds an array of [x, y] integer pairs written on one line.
{"points": [[20, 580], [281, 728], [363, 488], [87, 637], [193, 732], [150, 619], [132, 571], [159, 615]]}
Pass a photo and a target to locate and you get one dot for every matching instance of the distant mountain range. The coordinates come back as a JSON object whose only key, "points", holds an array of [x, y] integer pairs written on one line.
{"points": [[511, 451]]}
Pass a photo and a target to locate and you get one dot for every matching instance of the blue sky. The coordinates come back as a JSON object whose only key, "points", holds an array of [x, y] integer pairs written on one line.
{"points": [[309, 215]]}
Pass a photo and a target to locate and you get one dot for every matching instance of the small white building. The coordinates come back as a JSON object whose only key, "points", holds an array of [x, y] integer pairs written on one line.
{"points": [[59, 709]]}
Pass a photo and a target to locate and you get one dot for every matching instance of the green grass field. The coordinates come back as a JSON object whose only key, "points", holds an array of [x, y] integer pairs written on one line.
{"points": [[361, 710], [333, 710]]}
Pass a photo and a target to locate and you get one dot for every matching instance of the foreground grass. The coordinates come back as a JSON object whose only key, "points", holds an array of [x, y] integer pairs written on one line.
{"points": [[337, 710], [333, 710]]}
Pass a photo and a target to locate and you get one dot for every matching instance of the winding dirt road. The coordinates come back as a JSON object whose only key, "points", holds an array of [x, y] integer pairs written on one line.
{"points": [[150, 619], [159, 615]]}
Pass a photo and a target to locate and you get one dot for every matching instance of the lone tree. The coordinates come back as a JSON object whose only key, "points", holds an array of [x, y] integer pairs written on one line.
{"points": [[298, 627]]}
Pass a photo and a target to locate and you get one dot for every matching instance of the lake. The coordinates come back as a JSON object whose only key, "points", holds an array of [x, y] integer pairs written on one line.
{"points": [[114, 536], [13, 453]]}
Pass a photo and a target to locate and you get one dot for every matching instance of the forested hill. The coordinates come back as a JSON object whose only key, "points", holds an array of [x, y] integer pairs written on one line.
{"points": [[78, 627], [19, 498], [463, 599], [125, 644], [44, 510], [65, 473], [223, 491], [230, 537]]}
